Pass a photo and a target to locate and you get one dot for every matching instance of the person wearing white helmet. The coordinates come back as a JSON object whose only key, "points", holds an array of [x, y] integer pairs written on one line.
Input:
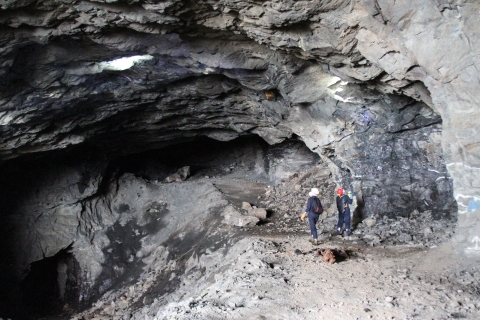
{"points": [[313, 211]]}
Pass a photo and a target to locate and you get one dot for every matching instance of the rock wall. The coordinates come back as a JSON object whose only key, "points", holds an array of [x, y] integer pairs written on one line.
{"points": [[92, 225], [436, 39]]}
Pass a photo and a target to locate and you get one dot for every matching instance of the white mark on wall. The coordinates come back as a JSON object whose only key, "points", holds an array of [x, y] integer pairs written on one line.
{"points": [[475, 240], [461, 207], [459, 196], [462, 165]]}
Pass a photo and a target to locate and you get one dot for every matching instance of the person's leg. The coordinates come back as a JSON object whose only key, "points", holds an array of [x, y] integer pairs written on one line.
{"points": [[340, 222], [347, 221], [315, 239], [313, 227]]}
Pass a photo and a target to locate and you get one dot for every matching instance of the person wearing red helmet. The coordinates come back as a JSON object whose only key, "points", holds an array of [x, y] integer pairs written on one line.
{"points": [[343, 206]]}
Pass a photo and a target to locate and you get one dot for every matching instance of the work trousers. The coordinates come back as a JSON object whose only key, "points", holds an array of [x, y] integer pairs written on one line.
{"points": [[312, 220], [344, 217]]}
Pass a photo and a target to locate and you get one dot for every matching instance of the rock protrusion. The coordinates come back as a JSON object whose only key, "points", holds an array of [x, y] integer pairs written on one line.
{"points": [[234, 218], [181, 175]]}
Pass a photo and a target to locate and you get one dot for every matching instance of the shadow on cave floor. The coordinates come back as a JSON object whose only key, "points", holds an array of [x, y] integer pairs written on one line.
{"points": [[180, 250]]}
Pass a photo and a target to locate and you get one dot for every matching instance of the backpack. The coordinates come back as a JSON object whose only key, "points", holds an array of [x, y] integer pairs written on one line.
{"points": [[317, 205], [340, 204]]}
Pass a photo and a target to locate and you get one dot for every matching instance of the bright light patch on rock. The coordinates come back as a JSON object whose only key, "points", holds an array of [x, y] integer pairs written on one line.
{"points": [[340, 89], [123, 63]]}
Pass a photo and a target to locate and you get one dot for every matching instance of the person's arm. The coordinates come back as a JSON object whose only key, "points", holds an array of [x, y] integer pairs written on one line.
{"points": [[309, 204], [304, 215], [348, 200]]}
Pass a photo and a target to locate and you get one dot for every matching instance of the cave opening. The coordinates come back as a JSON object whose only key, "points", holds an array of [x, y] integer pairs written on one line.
{"points": [[84, 178]]}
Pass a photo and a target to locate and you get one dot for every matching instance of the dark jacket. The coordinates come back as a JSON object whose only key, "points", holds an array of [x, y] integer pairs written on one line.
{"points": [[310, 205], [343, 203]]}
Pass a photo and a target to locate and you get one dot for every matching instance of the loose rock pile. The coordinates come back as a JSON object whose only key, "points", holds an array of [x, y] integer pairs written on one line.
{"points": [[419, 229], [256, 277], [288, 201]]}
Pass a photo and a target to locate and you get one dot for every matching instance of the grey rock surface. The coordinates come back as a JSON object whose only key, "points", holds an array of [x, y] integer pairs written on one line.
{"points": [[235, 218], [385, 94], [62, 90], [258, 276]]}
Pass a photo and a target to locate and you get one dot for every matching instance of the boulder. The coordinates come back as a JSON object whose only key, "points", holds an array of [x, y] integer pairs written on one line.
{"points": [[246, 206], [370, 222], [260, 213], [234, 218]]}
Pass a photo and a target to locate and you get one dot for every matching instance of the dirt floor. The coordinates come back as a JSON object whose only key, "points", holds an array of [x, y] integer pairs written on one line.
{"points": [[281, 276], [396, 282]]}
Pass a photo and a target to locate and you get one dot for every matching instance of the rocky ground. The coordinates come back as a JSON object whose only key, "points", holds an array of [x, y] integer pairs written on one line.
{"points": [[393, 268], [281, 278], [289, 199]]}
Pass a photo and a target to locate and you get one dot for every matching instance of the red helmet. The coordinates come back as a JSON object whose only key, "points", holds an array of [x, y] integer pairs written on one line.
{"points": [[340, 191]]}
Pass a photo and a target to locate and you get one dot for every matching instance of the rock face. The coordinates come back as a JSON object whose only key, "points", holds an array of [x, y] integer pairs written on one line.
{"points": [[384, 93]]}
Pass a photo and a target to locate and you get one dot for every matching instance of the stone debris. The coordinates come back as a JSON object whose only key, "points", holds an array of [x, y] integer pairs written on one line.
{"points": [[234, 218], [255, 274], [288, 200], [260, 213]]}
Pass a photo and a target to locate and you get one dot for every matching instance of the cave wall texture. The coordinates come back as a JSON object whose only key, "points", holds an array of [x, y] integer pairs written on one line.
{"points": [[385, 91]]}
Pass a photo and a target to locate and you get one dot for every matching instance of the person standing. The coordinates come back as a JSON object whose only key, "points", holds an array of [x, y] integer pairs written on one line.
{"points": [[343, 206], [313, 211]]}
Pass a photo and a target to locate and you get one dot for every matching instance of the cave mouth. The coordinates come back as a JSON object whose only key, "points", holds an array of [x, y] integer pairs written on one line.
{"points": [[80, 179]]}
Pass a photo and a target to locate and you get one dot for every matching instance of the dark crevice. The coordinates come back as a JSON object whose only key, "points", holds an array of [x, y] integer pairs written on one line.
{"points": [[49, 284], [424, 125]]}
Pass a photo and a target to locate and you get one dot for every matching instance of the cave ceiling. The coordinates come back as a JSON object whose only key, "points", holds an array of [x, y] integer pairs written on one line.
{"points": [[133, 75], [356, 81]]}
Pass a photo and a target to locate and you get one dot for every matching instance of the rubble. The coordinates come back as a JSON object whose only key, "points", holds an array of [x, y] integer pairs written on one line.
{"points": [[181, 175], [256, 274], [287, 201]]}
